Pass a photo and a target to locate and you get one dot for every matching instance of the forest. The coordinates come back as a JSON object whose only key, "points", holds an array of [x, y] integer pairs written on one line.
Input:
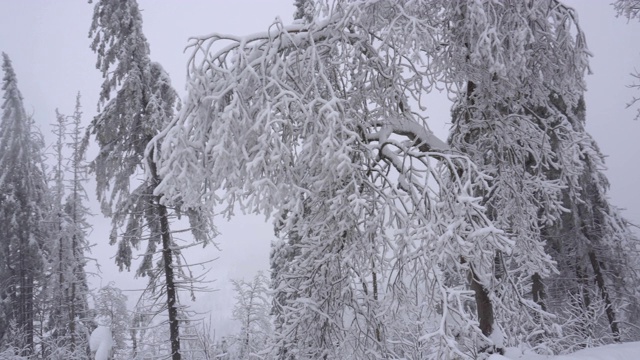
{"points": [[500, 241]]}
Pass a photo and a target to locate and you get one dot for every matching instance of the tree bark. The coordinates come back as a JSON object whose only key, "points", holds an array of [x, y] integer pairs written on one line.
{"points": [[611, 315], [167, 257], [483, 304], [537, 288]]}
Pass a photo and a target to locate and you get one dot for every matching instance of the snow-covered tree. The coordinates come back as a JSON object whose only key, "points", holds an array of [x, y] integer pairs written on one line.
{"points": [[321, 124], [59, 246], [252, 310], [496, 122], [111, 311], [143, 103], [101, 342], [23, 205], [593, 244], [312, 122], [67, 289], [199, 340], [78, 230]]}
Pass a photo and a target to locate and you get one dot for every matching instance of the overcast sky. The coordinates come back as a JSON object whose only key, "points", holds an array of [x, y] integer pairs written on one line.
{"points": [[49, 46]]}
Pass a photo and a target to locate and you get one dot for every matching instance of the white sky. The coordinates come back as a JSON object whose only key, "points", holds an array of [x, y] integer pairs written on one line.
{"points": [[49, 46]]}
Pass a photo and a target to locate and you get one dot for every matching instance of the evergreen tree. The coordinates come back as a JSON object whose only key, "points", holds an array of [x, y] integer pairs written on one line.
{"points": [[495, 124], [593, 245], [58, 248], [78, 230], [66, 288], [143, 104], [23, 204], [56, 338]]}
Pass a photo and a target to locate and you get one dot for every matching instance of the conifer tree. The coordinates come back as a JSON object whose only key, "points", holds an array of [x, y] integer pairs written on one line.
{"points": [[591, 242], [66, 288], [143, 103], [59, 246], [77, 213], [23, 204]]}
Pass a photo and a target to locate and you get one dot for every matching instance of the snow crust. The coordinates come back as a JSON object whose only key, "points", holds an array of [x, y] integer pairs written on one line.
{"points": [[626, 351]]}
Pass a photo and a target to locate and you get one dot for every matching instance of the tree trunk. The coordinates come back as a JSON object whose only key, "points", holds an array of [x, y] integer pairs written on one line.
{"points": [[167, 257], [375, 299], [537, 288], [74, 249], [483, 304], [25, 298], [611, 315], [74, 278], [29, 313]]}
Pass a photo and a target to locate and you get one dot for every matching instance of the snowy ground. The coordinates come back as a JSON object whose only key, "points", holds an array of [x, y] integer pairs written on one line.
{"points": [[626, 351]]}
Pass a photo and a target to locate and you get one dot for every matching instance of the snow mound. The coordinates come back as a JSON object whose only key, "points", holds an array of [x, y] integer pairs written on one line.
{"points": [[101, 342]]}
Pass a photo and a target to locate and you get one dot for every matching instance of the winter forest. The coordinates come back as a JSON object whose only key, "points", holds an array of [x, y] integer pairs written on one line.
{"points": [[387, 230]]}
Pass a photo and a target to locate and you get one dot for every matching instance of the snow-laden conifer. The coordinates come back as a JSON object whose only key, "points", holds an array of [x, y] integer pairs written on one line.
{"points": [[594, 246], [143, 103], [23, 207]]}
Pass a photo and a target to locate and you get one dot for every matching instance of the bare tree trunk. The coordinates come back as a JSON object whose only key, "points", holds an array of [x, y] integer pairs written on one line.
{"points": [[611, 315], [483, 304], [74, 278], [167, 257], [537, 288], [375, 299]]}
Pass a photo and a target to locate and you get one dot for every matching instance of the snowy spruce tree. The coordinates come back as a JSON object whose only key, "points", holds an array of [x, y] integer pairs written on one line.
{"points": [[78, 230], [143, 103], [23, 206], [525, 133], [594, 246]]}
